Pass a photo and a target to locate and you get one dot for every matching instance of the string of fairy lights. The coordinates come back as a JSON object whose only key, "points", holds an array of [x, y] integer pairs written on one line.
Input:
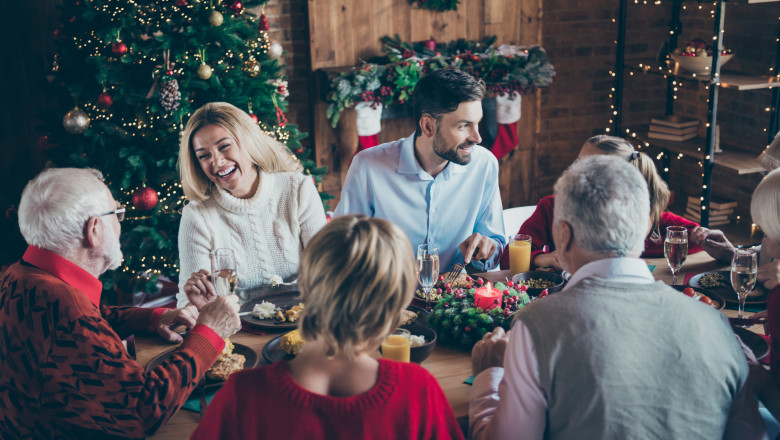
{"points": [[158, 18], [677, 84]]}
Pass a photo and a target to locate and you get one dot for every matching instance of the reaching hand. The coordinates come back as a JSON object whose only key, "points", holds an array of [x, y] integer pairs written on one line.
{"points": [[769, 274], [489, 352], [199, 288], [714, 242], [221, 315], [483, 246], [550, 260], [174, 317]]}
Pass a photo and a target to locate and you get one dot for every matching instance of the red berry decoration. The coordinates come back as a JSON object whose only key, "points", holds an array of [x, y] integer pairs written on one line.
{"points": [[544, 293], [505, 292], [468, 279], [264, 24], [119, 48], [430, 44], [510, 284], [105, 100], [441, 277], [689, 291], [180, 3], [480, 281], [447, 285], [236, 7], [523, 287], [467, 329], [145, 198]]}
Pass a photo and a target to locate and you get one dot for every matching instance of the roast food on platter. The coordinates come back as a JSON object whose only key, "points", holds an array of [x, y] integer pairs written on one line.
{"points": [[441, 288], [227, 363], [713, 279], [288, 314], [292, 342]]}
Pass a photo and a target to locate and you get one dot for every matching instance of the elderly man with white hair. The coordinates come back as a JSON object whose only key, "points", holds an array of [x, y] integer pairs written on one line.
{"points": [[63, 370], [615, 354]]}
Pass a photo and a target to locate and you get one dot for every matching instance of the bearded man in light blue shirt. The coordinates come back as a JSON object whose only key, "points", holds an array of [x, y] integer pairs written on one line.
{"points": [[438, 184]]}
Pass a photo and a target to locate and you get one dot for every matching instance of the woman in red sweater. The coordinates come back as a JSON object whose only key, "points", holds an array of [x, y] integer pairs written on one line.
{"points": [[357, 275], [539, 225]]}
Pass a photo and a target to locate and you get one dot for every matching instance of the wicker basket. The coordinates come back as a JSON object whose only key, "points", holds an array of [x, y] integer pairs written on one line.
{"points": [[701, 64]]}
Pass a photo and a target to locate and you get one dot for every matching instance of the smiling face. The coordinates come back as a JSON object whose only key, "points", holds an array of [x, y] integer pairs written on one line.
{"points": [[224, 162], [457, 133]]}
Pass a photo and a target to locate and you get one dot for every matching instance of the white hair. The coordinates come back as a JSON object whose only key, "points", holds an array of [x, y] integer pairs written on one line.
{"points": [[606, 202], [765, 205], [57, 203]]}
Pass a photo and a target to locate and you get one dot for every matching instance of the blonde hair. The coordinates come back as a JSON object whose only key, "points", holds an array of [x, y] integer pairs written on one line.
{"points": [[612, 146], [765, 205], [357, 275], [659, 192], [270, 155]]}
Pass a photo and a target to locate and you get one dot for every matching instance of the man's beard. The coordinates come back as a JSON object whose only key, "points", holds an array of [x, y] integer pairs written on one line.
{"points": [[453, 155], [113, 251]]}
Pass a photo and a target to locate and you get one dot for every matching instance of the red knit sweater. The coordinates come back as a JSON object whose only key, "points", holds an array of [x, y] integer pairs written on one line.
{"points": [[63, 370], [406, 403], [539, 227]]}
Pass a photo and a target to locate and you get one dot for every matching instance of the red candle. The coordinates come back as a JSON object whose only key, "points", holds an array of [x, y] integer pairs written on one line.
{"points": [[487, 297]]}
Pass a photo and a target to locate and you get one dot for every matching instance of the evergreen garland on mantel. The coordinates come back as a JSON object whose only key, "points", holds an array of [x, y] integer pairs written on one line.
{"points": [[437, 5]]}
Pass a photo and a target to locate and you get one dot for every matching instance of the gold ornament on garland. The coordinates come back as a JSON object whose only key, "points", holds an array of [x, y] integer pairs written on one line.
{"points": [[251, 68], [75, 121], [216, 18], [204, 70]]}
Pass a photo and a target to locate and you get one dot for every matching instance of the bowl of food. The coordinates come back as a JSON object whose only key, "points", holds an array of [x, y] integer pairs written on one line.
{"points": [[538, 280], [414, 315], [420, 352], [699, 64]]}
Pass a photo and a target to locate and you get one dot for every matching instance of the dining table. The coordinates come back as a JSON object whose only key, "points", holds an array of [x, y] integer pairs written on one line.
{"points": [[450, 366]]}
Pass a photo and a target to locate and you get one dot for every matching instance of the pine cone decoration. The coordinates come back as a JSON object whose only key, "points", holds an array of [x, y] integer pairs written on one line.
{"points": [[170, 96]]}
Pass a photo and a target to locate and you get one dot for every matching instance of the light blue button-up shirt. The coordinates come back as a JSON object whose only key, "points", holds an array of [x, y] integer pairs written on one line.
{"points": [[387, 182]]}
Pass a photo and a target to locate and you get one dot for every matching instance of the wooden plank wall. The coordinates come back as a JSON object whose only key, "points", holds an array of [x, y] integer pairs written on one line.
{"points": [[344, 32]]}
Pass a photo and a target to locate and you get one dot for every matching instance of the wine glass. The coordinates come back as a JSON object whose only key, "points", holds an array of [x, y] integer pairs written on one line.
{"points": [[427, 269], [223, 271], [744, 265], [676, 249]]}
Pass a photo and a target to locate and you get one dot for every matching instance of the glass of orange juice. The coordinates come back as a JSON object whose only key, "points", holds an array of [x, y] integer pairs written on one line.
{"points": [[396, 346], [519, 253]]}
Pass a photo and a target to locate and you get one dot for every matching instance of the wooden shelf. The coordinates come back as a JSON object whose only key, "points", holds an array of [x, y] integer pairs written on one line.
{"points": [[739, 161], [728, 80]]}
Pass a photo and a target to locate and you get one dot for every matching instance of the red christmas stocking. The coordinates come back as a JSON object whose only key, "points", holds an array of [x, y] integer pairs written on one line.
{"points": [[367, 141], [506, 140], [507, 115]]}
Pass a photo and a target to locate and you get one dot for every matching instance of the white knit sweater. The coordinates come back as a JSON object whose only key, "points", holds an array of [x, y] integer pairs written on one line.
{"points": [[267, 232]]}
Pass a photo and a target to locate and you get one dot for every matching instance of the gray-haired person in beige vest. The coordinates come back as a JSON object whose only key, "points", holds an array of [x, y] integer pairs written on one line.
{"points": [[615, 355]]}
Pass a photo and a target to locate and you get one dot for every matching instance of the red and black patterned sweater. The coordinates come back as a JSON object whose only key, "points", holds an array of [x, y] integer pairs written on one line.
{"points": [[63, 370]]}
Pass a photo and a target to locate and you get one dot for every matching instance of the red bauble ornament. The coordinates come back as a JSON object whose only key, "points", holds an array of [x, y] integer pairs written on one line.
{"points": [[105, 100], [180, 3], [430, 44], [264, 26], [254, 117], [145, 198], [119, 48], [236, 7]]}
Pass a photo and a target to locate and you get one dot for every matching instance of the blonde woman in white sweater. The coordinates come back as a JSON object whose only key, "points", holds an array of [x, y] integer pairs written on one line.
{"points": [[246, 193]]}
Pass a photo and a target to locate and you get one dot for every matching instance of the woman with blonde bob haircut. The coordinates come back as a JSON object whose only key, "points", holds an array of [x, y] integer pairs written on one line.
{"points": [[246, 193], [357, 275]]}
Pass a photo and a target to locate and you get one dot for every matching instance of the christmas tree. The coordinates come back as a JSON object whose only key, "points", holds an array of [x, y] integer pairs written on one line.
{"points": [[128, 74]]}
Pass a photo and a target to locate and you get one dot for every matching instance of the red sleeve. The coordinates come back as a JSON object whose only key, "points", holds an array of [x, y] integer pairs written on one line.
{"points": [[539, 227], [773, 322], [221, 419], [126, 321], [92, 382]]}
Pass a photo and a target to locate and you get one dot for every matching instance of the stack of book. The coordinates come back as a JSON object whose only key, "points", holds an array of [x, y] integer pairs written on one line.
{"points": [[673, 128], [720, 210]]}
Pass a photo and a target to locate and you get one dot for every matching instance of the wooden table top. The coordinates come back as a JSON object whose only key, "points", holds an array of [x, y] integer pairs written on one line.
{"points": [[450, 367]]}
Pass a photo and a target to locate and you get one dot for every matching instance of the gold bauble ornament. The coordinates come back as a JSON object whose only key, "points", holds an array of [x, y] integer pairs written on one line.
{"points": [[216, 18], [251, 68], [204, 71], [75, 121]]}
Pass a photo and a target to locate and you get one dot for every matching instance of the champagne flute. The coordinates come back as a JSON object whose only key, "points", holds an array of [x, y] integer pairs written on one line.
{"points": [[744, 265], [223, 271], [676, 249], [427, 269]]}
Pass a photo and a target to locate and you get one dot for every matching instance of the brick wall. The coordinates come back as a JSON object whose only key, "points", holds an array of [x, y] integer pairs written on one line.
{"points": [[579, 37]]}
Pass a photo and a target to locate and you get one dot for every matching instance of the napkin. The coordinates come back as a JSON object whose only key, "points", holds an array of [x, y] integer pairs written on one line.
{"points": [[193, 403], [469, 381], [651, 267]]}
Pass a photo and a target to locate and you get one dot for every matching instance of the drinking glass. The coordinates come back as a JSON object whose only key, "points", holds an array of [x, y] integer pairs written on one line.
{"points": [[223, 271], [676, 249], [427, 269], [744, 265], [519, 254], [396, 346]]}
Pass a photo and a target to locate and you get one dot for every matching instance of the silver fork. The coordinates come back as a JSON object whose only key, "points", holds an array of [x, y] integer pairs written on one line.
{"points": [[453, 274]]}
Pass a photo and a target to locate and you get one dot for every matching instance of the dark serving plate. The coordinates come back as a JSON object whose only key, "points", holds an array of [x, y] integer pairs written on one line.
{"points": [[544, 275], [755, 342], [272, 352], [717, 301], [249, 354], [756, 298], [279, 299]]}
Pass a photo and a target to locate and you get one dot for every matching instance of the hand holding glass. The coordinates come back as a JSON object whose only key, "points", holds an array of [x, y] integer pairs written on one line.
{"points": [[676, 249], [223, 271], [744, 266], [427, 269]]}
